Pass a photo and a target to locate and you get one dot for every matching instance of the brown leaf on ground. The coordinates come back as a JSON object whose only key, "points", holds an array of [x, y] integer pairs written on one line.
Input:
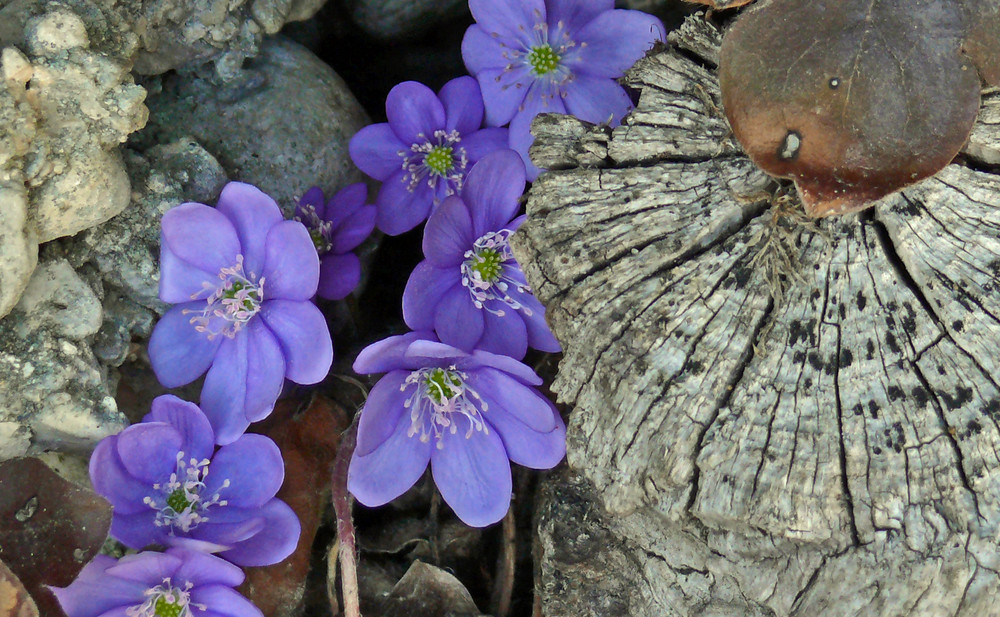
{"points": [[308, 441], [14, 598], [49, 528], [856, 99], [427, 591], [721, 4]]}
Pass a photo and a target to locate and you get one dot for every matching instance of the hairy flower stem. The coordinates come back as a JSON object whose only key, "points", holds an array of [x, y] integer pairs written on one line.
{"points": [[345, 526]]}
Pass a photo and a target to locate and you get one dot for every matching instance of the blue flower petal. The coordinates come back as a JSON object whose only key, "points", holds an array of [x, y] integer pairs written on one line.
{"points": [[504, 92], [339, 275], [414, 112], [615, 41], [507, 395], [149, 568], [291, 264], [506, 335], [346, 202], [265, 371], [473, 475], [354, 229], [540, 336], [201, 569], [573, 14], [224, 601], [424, 289], [112, 481], [482, 52], [526, 446], [223, 396], [399, 208], [541, 98], [201, 236], [492, 190], [180, 281], [463, 105], [448, 234], [313, 197], [253, 213], [514, 19], [197, 438], [178, 353], [388, 354], [484, 141], [254, 468], [304, 337], [274, 542], [512, 367], [391, 469], [457, 321], [597, 99], [137, 530], [375, 150], [93, 593], [148, 451], [382, 411]]}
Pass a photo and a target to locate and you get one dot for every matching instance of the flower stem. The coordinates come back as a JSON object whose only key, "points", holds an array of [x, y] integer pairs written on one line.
{"points": [[345, 526]]}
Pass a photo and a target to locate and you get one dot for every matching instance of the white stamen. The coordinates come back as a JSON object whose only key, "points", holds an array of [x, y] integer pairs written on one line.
{"points": [[440, 397]]}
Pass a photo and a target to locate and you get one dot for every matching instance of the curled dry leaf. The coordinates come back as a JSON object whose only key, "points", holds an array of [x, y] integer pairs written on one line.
{"points": [[14, 598], [856, 99], [49, 527]]}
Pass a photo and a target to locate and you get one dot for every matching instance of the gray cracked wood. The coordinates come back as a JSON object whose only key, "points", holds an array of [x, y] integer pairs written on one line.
{"points": [[772, 416]]}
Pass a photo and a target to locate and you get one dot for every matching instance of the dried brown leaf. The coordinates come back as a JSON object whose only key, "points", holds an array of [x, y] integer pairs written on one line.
{"points": [[856, 99], [14, 598]]}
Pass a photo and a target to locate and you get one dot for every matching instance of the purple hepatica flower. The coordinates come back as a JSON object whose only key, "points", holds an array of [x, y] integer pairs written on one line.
{"points": [[423, 153], [469, 289], [168, 488], [244, 278], [465, 413], [554, 56], [336, 227], [177, 583]]}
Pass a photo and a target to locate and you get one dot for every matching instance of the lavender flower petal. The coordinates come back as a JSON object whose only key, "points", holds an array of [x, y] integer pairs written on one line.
{"points": [[253, 463], [528, 447], [149, 569], [457, 321], [541, 99], [615, 40], [177, 352], [304, 337], [574, 14], [492, 191], [399, 208], [386, 355], [504, 92], [509, 365], [391, 469], [414, 112], [225, 601], [463, 105], [201, 569], [507, 335], [424, 289], [508, 395], [509, 18], [598, 100], [354, 229], [540, 336], [93, 593], [484, 141], [313, 197], [201, 236], [473, 475], [384, 408], [449, 232], [148, 450], [345, 202], [197, 438], [375, 150], [339, 275], [291, 265], [481, 51], [110, 479], [252, 212], [179, 280], [137, 530], [224, 394], [265, 371], [273, 543]]}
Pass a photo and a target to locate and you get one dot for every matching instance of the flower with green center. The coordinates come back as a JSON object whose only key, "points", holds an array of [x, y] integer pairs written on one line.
{"points": [[554, 56], [468, 415], [175, 583], [168, 487], [470, 290], [423, 153]]}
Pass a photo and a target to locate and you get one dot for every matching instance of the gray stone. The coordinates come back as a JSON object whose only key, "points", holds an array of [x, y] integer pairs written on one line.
{"points": [[53, 393], [283, 126], [67, 100], [393, 19]]}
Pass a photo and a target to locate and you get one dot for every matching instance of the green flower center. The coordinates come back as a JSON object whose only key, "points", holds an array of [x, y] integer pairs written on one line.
{"points": [[543, 60], [440, 160], [319, 240], [250, 299], [178, 501], [164, 608], [439, 383], [487, 263]]}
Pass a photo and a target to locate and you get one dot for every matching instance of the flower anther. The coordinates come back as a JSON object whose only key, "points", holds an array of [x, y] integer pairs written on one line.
{"points": [[439, 398], [165, 600], [230, 304], [179, 502], [484, 273], [436, 159]]}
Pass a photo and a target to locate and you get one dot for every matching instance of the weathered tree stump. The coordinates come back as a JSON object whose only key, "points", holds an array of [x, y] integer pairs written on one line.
{"points": [[772, 416]]}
